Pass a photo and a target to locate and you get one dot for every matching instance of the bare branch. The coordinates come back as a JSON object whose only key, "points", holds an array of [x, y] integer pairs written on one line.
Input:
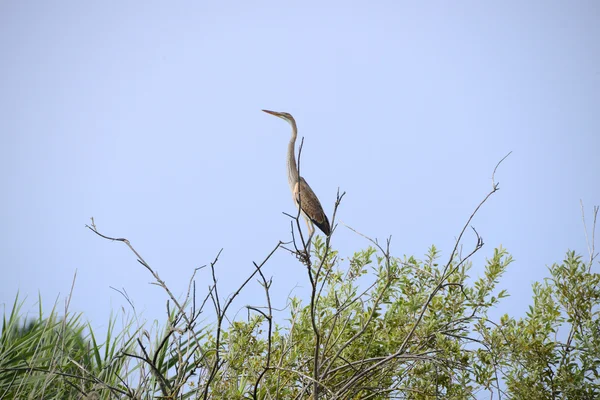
{"points": [[496, 167], [591, 245], [157, 278]]}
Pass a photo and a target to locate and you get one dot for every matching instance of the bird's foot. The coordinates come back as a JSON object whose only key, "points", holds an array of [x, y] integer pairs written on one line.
{"points": [[303, 256]]}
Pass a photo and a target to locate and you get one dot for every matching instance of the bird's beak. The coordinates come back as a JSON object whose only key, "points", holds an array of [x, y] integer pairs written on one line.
{"points": [[272, 112]]}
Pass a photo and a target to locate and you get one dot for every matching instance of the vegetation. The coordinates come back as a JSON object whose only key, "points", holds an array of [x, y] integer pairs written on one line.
{"points": [[375, 327]]}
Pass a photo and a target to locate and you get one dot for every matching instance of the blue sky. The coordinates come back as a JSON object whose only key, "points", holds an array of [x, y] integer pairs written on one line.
{"points": [[146, 116]]}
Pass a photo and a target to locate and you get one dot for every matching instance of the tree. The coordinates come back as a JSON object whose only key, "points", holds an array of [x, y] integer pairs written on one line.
{"points": [[554, 351], [375, 326]]}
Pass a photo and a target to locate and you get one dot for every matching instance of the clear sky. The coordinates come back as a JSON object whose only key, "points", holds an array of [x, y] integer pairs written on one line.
{"points": [[146, 116]]}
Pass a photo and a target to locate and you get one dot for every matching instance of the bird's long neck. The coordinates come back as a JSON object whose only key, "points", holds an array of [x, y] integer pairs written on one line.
{"points": [[292, 167]]}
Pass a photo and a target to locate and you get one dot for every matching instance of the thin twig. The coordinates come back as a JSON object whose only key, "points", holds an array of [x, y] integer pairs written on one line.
{"points": [[496, 167], [269, 317], [591, 245]]}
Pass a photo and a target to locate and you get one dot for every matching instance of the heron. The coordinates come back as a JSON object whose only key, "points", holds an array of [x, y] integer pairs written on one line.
{"points": [[304, 197]]}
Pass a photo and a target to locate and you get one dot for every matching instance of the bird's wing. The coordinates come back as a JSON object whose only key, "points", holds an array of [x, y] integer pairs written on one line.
{"points": [[311, 206]]}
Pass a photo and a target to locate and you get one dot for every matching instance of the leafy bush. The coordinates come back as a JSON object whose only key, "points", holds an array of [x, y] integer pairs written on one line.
{"points": [[375, 327]]}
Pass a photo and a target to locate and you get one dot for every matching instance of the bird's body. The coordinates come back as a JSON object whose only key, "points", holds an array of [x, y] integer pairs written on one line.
{"points": [[309, 204], [303, 195]]}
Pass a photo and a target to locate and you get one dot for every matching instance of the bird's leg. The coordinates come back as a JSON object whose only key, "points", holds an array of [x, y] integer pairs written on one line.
{"points": [[311, 232]]}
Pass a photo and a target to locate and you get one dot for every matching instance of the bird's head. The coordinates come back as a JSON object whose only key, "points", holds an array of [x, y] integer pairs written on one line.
{"points": [[283, 115]]}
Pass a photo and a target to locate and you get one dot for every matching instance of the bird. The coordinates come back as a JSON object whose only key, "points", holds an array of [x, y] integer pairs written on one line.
{"points": [[303, 195]]}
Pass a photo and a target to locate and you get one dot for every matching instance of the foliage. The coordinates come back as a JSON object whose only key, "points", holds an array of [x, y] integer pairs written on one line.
{"points": [[554, 351], [367, 348], [55, 358], [374, 326]]}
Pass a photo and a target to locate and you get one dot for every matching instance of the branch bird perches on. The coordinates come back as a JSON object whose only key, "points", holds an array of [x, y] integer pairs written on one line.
{"points": [[303, 195]]}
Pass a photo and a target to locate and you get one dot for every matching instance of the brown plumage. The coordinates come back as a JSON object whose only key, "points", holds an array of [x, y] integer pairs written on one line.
{"points": [[303, 195], [311, 206]]}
